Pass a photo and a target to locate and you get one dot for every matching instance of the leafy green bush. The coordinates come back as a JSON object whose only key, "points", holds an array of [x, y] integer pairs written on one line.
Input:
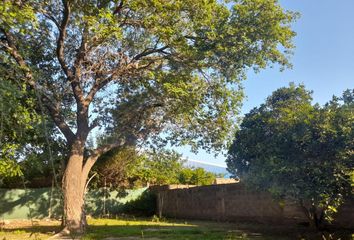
{"points": [[144, 205], [298, 150]]}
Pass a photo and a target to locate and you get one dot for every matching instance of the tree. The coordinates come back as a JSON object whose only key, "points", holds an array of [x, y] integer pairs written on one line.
{"points": [[122, 168], [159, 167], [39, 156], [16, 123], [116, 168], [29, 141], [297, 150], [138, 68], [21, 123], [198, 176]]}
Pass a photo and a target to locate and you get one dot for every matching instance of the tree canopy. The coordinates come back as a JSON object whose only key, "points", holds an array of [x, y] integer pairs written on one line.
{"points": [[138, 68], [170, 61], [295, 149], [16, 123], [129, 168]]}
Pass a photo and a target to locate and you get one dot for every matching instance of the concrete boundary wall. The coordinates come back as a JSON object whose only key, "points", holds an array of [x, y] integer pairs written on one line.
{"points": [[233, 202]]}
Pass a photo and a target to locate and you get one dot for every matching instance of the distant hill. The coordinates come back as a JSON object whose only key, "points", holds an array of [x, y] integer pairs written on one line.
{"points": [[210, 167]]}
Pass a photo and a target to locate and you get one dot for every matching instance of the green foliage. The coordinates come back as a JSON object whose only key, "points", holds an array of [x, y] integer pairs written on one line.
{"points": [[17, 103], [116, 168], [127, 168], [23, 138], [9, 167], [36, 164], [197, 176], [22, 133], [144, 205], [141, 69], [176, 66], [16, 125], [193, 93], [160, 167], [17, 16], [294, 149]]}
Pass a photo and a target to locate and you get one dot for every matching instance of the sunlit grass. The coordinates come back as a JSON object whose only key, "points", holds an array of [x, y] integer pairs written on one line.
{"points": [[26, 229], [136, 222], [155, 229], [23, 234], [145, 229]]}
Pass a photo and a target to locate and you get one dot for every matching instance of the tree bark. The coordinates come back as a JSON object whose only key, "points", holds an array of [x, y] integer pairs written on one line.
{"points": [[74, 182]]}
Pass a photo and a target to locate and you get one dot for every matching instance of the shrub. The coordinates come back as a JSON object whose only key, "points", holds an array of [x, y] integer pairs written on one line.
{"points": [[144, 205]]}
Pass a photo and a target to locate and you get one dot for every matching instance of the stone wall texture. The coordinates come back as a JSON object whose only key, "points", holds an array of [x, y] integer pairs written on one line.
{"points": [[234, 202]]}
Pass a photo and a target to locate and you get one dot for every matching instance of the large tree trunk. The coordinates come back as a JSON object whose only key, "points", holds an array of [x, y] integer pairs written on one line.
{"points": [[73, 188]]}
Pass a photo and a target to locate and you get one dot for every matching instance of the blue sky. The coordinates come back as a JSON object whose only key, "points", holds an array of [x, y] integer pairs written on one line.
{"points": [[323, 59]]}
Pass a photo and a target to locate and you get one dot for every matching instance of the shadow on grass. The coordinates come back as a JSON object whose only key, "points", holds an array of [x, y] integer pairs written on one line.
{"points": [[193, 230], [212, 231], [154, 232]]}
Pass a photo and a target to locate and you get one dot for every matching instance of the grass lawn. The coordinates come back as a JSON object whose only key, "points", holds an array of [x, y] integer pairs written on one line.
{"points": [[25, 229], [193, 230], [113, 229]]}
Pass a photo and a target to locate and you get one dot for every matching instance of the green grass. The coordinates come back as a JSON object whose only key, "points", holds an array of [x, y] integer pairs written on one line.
{"points": [[100, 229], [26, 229], [197, 230], [34, 234], [130, 229]]}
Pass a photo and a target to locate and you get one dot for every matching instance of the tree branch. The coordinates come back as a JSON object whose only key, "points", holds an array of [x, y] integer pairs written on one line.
{"points": [[105, 148], [51, 18], [96, 154], [88, 182], [59, 120], [73, 75], [94, 124], [147, 52], [99, 84], [75, 83], [118, 8], [61, 39], [80, 53], [54, 111]]}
